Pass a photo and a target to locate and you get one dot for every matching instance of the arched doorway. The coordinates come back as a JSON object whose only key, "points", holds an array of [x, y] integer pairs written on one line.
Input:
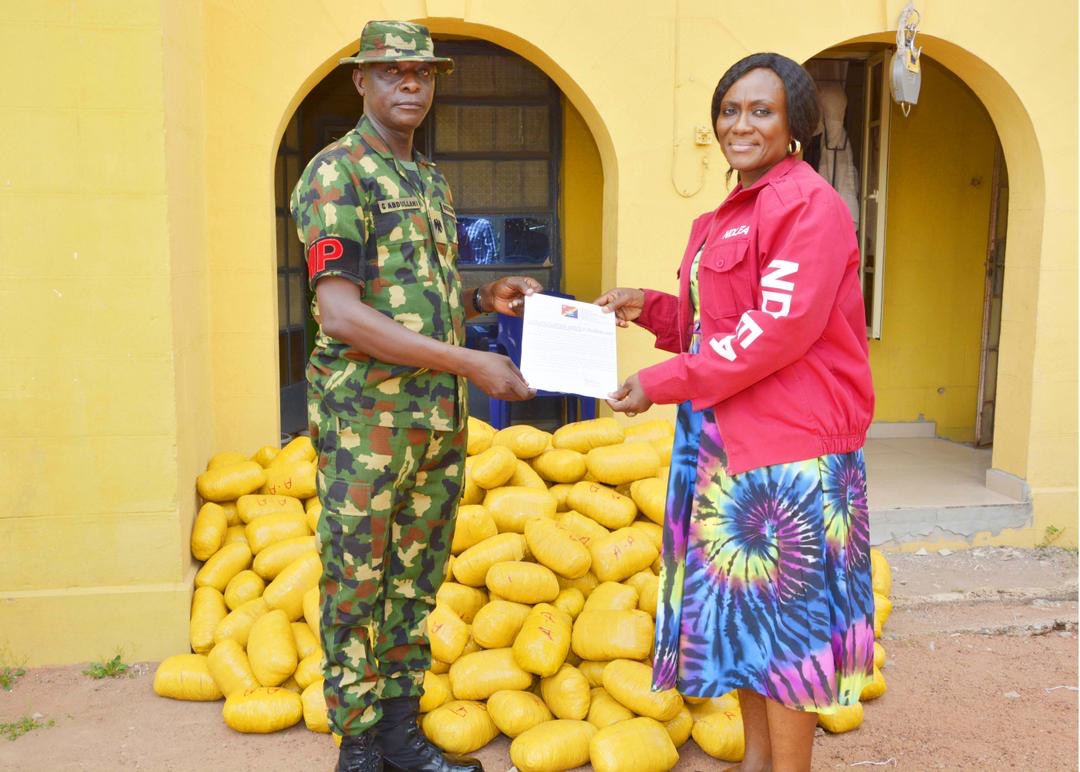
{"points": [[928, 193], [523, 167]]}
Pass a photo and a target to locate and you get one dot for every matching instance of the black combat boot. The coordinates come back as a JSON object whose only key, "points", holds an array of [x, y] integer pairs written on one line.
{"points": [[405, 748], [359, 753]]}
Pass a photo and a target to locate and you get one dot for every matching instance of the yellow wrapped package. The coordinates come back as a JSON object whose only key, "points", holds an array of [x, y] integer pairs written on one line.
{"points": [[463, 601], [583, 436], [567, 693], [479, 675], [604, 505], [845, 719], [513, 506], [225, 458], [298, 449], [621, 554], [522, 582], [498, 623], [263, 710], [653, 532], [232, 516], [313, 514], [246, 585], [584, 529], [295, 479], [493, 467], [559, 492], [704, 706], [471, 566], [471, 493], [436, 691], [880, 572], [225, 483], [474, 524], [447, 634], [309, 669], [879, 655], [525, 476], [235, 533], [593, 671], [649, 431], [647, 585], [570, 600], [585, 584], [272, 559], [286, 592], [720, 735], [208, 530], [480, 435], [265, 455], [619, 464], [271, 648], [230, 668], [311, 610], [650, 495], [605, 710], [680, 727], [516, 711], [552, 746], [525, 441], [186, 677], [544, 641], [316, 716], [268, 529], [237, 625], [663, 450], [638, 745], [306, 642], [207, 611], [630, 683], [628, 634], [560, 465], [255, 505], [223, 565], [882, 610], [460, 726], [612, 596], [875, 688], [554, 546]]}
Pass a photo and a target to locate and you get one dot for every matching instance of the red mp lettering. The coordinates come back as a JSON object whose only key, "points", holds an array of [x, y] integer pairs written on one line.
{"points": [[322, 252]]}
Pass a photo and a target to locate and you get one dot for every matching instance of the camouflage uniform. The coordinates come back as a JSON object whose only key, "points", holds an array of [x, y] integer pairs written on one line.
{"points": [[391, 438]]}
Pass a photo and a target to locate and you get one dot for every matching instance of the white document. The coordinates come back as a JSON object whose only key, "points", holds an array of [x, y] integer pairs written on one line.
{"points": [[568, 346]]}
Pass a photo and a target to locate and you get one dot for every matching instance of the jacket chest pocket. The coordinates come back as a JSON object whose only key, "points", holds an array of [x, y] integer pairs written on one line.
{"points": [[726, 279]]}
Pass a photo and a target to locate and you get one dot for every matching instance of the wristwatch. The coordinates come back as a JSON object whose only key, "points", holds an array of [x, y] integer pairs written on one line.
{"points": [[476, 302]]}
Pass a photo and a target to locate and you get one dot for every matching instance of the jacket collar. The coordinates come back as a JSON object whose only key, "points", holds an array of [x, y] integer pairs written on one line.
{"points": [[371, 137], [779, 169]]}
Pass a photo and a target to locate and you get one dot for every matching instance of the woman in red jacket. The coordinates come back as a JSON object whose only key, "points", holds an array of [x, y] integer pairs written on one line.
{"points": [[765, 579]]}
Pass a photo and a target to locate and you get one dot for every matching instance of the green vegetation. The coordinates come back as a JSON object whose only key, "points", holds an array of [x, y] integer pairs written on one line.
{"points": [[21, 726], [113, 668], [9, 675]]}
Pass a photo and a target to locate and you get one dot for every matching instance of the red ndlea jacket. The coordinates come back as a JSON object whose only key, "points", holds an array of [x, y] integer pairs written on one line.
{"points": [[783, 357]]}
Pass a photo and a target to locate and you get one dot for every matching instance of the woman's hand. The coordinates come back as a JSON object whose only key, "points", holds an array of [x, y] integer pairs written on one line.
{"points": [[507, 295], [626, 303], [630, 398]]}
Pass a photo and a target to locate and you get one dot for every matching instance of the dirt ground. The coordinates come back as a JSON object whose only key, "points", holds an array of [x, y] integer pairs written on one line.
{"points": [[982, 674]]}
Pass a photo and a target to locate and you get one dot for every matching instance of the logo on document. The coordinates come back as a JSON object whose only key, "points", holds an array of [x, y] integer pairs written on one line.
{"points": [[570, 312]]}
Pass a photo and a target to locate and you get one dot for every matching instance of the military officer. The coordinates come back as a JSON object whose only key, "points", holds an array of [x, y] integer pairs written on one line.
{"points": [[387, 397]]}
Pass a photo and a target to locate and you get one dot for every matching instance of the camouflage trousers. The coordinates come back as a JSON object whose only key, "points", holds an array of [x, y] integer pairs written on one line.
{"points": [[389, 498]]}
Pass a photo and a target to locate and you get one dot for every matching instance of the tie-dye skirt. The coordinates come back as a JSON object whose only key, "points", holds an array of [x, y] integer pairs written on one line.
{"points": [[765, 576]]}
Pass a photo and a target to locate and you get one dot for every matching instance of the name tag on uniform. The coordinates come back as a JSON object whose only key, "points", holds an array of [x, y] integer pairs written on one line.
{"points": [[397, 204]]}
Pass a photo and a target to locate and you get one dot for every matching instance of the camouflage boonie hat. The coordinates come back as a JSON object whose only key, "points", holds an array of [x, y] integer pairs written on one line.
{"points": [[398, 41]]}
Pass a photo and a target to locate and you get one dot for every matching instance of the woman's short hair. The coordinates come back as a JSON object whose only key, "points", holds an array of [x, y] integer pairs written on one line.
{"points": [[801, 97]]}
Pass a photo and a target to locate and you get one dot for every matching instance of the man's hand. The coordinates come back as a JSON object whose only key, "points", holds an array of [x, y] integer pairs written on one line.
{"points": [[630, 398], [507, 295], [496, 375], [627, 304]]}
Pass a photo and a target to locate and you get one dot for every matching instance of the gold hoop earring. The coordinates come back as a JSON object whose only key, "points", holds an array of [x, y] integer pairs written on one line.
{"points": [[794, 147]]}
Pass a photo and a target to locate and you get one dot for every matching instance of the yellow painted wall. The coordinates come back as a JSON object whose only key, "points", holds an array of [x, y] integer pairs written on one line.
{"points": [[581, 207], [95, 204], [926, 364], [137, 246]]}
